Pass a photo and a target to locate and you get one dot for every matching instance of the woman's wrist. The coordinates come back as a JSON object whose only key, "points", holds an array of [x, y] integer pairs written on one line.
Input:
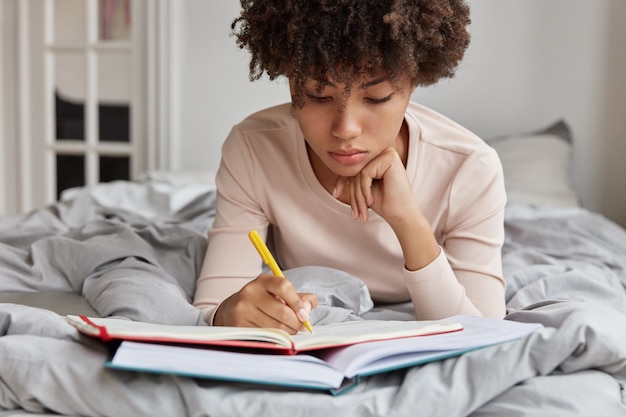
{"points": [[418, 243], [217, 316]]}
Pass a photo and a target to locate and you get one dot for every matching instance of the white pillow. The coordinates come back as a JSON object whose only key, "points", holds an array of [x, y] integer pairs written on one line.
{"points": [[537, 167]]}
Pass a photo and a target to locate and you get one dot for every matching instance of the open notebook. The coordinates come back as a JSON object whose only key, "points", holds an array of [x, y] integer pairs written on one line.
{"points": [[333, 335], [332, 369]]}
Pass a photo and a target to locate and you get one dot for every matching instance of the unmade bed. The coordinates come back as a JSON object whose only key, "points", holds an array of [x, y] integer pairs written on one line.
{"points": [[133, 250]]}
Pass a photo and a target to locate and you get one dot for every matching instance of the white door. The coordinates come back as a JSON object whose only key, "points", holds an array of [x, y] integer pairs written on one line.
{"points": [[81, 95], [88, 94]]}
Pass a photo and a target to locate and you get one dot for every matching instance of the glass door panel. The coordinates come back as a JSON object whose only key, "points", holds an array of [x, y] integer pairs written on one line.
{"points": [[114, 168], [114, 87], [69, 100], [69, 22], [70, 172], [115, 21]]}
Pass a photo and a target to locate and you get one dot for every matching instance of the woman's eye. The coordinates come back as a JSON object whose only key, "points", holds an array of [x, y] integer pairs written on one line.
{"points": [[381, 100], [319, 99]]}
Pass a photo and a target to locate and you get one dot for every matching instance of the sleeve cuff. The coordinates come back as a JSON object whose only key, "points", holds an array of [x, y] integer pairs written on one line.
{"points": [[209, 314], [433, 268]]}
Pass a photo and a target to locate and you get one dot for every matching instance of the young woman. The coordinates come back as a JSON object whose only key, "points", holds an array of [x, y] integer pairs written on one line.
{"points": [[353, 175]]}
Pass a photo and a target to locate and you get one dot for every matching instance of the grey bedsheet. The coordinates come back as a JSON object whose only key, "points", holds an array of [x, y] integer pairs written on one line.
{"points": [[565, 269]]}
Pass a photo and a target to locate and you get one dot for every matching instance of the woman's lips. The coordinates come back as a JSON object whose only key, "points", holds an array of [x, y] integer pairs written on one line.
{"points": [[348, 157]]}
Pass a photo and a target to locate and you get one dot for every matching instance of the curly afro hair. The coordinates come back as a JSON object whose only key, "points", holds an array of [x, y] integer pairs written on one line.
{"points": [[340, 39]]}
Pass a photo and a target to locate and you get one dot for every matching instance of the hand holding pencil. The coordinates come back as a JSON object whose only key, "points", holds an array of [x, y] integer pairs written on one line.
{"points": [[269, 300], [269, 260]]}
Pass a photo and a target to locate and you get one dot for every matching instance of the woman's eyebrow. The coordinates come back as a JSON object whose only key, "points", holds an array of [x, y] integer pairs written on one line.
{"points": [[373, 82], [323, 82]]}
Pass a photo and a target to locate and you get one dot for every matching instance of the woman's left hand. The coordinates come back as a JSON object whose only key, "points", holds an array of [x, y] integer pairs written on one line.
{"points": [[383, 186]]}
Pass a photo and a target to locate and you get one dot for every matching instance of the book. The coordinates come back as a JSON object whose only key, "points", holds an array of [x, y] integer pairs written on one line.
{"points": [[334, 370], [334, 335]]}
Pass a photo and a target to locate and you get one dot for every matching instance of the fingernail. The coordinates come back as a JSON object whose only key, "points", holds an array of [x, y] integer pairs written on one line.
{"points": [[303, 315], [335, 192]]}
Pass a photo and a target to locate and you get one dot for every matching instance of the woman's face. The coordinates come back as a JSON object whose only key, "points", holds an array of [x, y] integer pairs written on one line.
{"points": [[346, 131]]}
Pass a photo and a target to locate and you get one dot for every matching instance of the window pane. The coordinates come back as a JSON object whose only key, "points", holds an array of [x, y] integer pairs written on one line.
{"points": [[114, 123], [115, 20], [69, 70], [70, 172], [114, 87], [114, 168], [70, 118], [69, 21]]}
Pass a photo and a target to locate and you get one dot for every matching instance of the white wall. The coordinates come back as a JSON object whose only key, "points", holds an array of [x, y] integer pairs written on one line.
{"points": [[8, 170], [531, 62], [3, 145], [213, 88]]}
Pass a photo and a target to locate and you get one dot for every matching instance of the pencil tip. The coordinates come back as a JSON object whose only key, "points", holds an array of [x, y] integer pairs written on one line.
{"points": [[307, 325]]}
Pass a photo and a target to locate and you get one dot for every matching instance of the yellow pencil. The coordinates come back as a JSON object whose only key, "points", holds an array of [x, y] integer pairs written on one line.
{"points": [[267, 257]]}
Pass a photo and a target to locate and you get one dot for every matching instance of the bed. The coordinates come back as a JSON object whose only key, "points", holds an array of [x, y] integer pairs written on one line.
{"points": [[133, 250]]}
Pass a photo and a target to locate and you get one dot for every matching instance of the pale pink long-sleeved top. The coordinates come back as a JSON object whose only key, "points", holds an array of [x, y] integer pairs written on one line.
{"points": [[265, 179]]}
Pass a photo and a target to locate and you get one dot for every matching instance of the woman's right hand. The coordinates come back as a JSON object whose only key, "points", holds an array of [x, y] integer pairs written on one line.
{"points": [[266, 301]]}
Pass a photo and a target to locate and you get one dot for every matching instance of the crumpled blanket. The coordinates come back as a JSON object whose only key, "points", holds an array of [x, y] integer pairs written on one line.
{"points": [[563, 269], [563, 254], [574, 366], [123, 264]]}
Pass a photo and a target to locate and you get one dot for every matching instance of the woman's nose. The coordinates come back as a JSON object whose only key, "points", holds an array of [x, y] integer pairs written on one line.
{"points": [[346, 124]]}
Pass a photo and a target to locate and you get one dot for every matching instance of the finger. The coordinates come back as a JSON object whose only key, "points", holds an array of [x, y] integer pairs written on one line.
{"points": [[284, 289], [310, 302], [277, 315], [357, 198], [237, 311], [339, 187], [366, 183], [353, 204], [257, 305], [309, 298], [271, 311], [338, 190], [363, 189]]}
